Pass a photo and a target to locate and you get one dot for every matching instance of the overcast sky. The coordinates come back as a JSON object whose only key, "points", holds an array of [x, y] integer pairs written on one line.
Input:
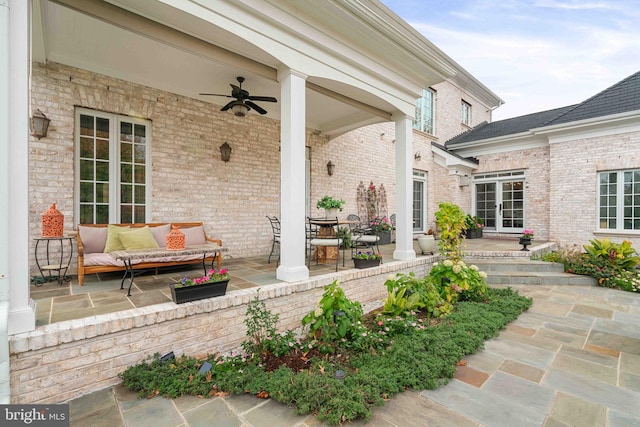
{"points": [[534, 54]]}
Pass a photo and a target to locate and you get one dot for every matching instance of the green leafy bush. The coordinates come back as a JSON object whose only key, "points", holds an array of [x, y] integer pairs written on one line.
{"points": [[459, 281], [336, 321], [452, 222]]}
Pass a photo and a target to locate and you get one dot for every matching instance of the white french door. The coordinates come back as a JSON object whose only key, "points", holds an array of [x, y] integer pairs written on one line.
{"points": [[500, 201]]}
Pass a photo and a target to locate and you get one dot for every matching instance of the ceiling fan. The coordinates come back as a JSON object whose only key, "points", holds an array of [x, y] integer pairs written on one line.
{"points": [[243, 101]]}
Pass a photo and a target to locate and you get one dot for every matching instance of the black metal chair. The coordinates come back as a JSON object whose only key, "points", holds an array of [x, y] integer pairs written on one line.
{"points": [[361, 237], [275, 228], [321, 232]]}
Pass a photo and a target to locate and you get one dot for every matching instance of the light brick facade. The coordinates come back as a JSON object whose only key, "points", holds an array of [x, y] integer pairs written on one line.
{"points": [[191, 183]]}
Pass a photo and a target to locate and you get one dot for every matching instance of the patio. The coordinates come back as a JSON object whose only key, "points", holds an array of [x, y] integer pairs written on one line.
{"points": [[101, 293]]}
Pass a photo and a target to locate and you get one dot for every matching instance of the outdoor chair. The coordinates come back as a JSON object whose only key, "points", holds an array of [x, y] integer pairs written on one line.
{"points": [[321, 233], [361, 237], [275, 228]]}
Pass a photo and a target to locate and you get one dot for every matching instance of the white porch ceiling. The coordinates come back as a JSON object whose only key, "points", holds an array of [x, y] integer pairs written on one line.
{"points": [[207, 59]]}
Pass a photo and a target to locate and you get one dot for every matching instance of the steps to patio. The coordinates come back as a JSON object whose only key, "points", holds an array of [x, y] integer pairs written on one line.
{"points": [[528, 272]]}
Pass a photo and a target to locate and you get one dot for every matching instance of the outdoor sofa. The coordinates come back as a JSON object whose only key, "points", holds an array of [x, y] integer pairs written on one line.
{"points": [[95, 241]]}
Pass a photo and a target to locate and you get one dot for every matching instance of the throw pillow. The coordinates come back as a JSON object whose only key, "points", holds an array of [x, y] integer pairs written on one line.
{"points": [[194, 235], [113, 240], [93, 239], [160, 234], [140, 238]]}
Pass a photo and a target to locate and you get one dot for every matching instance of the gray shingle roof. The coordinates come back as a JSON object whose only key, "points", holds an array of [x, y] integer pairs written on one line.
{"points": [[622, 97]]}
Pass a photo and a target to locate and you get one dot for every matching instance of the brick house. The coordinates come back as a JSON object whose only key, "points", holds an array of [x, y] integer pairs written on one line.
{"points": [[571, 174], [346, 75]]}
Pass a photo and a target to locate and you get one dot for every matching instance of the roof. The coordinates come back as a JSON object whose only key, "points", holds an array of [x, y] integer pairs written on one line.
{"points": [[622, 97]]}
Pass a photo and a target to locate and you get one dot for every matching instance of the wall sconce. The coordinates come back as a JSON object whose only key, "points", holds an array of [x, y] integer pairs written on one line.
{"points": [[330, 168], [239, 109], [225, 152], [39, 124], [417, 156]]}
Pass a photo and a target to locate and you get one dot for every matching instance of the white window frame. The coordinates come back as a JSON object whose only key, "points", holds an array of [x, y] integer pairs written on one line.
{"points": [[424, 105], [115, 121], [466, 113], [421, 176], [620, 202]]}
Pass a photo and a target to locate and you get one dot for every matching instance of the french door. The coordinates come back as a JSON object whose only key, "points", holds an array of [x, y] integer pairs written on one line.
{"points": [[500, 200]]}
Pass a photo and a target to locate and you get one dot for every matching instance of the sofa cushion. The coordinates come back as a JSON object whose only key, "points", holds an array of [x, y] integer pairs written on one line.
{"points": [[93, 239], [194, 235], [160, 234], [140, 238], [113, 240]]}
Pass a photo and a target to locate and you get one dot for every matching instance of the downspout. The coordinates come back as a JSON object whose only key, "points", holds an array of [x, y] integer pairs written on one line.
{"points": [[4, 202]]}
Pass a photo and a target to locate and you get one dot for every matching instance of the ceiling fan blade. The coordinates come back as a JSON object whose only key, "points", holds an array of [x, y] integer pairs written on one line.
{"points": [[263, 98], [216, 94], [256, 107], [229, 105]]}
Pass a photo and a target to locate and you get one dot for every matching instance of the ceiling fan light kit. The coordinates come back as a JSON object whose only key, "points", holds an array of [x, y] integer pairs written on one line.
{"points": [[243, 102]]}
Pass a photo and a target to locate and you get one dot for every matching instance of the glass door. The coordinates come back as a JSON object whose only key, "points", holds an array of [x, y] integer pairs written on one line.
{"points": [[419, 207], [499, 201]]}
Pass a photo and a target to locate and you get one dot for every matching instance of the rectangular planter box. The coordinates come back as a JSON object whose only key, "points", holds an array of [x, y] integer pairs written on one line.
{"points": [[365, 263], [182, 294], [385, 238]]}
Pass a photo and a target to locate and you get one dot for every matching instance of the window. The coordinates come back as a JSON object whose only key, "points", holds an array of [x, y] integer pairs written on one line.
{"points": [[619, 200], [425, 112], [419, 201], [466, 113], [113, 154]]}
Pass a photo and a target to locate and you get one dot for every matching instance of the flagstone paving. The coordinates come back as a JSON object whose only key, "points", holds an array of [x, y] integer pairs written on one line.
{"points": [[572, 360]]}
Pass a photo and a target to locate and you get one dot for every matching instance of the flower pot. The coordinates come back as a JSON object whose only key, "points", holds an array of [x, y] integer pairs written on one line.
{"points": [[182, 294], [365, 263], [427, 244], [385, 238], [331, 213], [525, 241]]}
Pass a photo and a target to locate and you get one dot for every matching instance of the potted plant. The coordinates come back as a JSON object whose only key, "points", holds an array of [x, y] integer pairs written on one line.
{"points": [[213, 284], [473, 227], [330, 205], [525, 239], [427, 242], [366, 259], [382, 227], [451, 222]]}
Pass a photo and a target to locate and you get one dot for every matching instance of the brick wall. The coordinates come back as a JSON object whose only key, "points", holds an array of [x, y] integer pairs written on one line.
{"points": [[191, 183], [573, 197]]}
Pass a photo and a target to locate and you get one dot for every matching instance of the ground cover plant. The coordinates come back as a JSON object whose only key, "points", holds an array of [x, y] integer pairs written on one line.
{"points": [[612, 264], [414, 341]]}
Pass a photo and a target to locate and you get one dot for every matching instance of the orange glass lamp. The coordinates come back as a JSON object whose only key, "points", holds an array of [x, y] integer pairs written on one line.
{"points": [[175, 239]]}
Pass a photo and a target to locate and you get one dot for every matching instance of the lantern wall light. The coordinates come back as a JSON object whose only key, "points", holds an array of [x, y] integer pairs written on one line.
{"points": [[330, 168], [225, 152], [39, 124]]}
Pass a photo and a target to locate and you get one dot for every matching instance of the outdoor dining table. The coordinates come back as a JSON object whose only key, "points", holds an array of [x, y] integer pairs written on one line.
{"points": [[127, 256]]}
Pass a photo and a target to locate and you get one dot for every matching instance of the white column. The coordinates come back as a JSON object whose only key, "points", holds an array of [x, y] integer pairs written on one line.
{"points": [[292, 177], [22, 316], [404, 188]]}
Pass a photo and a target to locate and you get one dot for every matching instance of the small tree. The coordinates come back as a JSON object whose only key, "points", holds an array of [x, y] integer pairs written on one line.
{"points": [[451, 220]]}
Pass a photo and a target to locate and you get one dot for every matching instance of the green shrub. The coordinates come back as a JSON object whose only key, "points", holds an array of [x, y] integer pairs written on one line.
{"points": [[459, 281], [616, 255], [451, 221]]}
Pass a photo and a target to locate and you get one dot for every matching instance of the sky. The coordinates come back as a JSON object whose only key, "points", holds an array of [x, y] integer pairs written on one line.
{"points": [[534, 54]]}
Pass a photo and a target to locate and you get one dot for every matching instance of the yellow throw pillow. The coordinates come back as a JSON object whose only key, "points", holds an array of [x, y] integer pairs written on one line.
{"points": [[140, 238], [113, 240]]}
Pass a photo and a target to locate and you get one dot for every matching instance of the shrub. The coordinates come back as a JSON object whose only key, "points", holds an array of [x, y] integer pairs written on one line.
{"points": [[451, 220], [459, 281]]}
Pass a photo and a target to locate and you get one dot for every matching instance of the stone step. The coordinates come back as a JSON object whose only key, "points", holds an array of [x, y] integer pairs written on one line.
{"points": [[488, 265], [538, 278]]}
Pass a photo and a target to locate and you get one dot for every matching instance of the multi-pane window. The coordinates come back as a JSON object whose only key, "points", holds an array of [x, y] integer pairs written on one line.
{"points": [[113, 155], [419, 200], [466, 113], [619, 200], [425, 112]]}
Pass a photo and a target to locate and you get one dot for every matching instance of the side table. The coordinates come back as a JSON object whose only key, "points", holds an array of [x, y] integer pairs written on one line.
{"points": [[48, 261]]}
